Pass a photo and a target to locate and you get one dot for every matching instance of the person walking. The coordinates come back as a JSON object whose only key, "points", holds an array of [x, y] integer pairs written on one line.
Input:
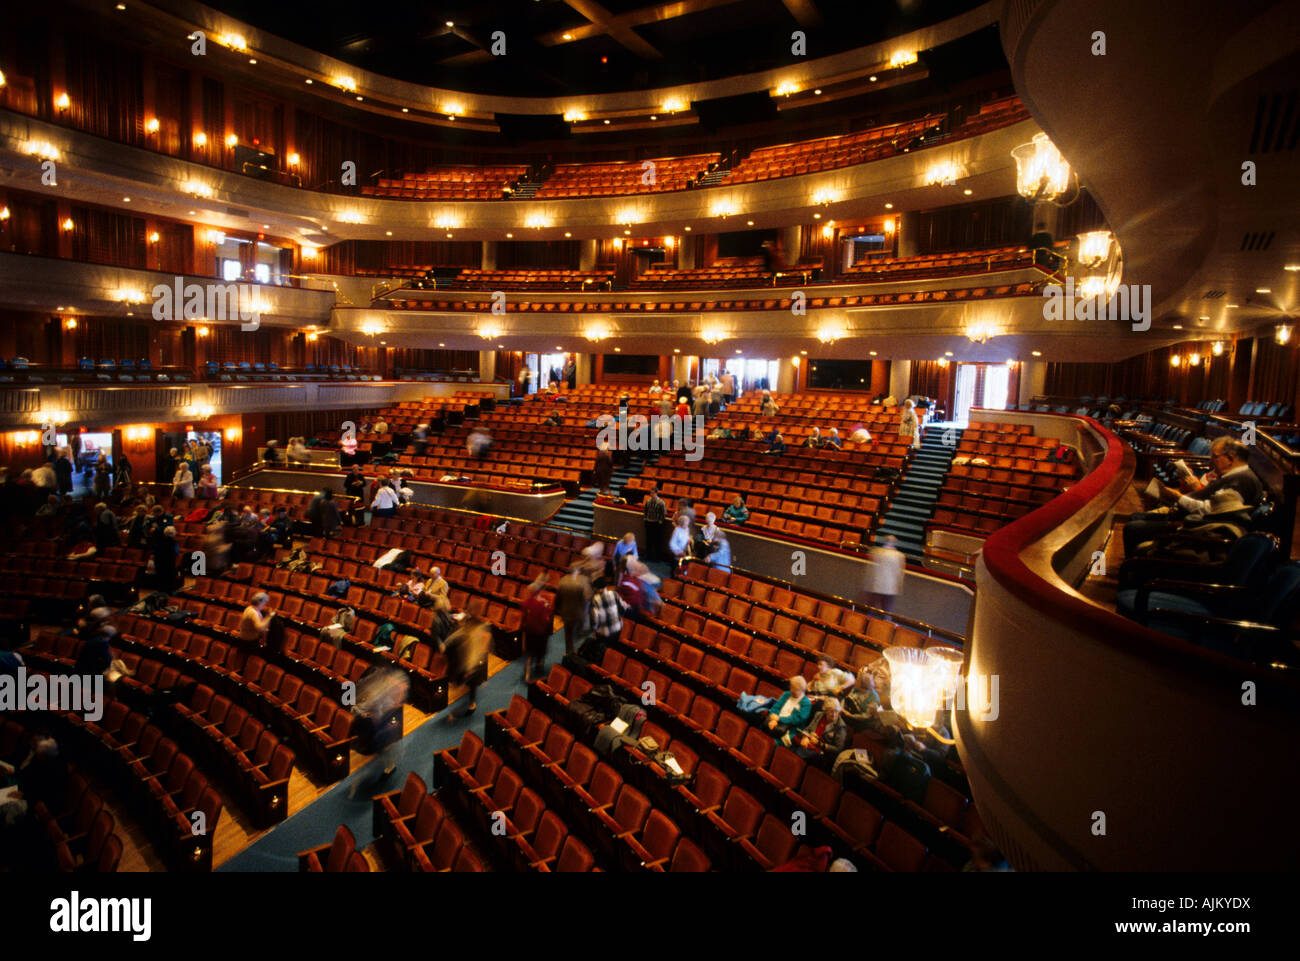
{"points": [[467, 660], [885, 574], [656, 524], [572, 596], [539, 624], [909, 428]]}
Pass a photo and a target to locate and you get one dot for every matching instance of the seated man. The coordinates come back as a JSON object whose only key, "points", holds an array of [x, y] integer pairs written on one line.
{"points": [[1230, 459], [554, 420], [777, 446]]}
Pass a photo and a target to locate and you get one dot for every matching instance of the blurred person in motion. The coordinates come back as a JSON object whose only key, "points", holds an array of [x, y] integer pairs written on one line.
{"points": [[381, 692], [467, 660], [539, 624], [885, 574]]}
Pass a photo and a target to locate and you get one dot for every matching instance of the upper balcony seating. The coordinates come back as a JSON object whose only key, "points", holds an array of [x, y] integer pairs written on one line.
{"points": [[631, 177], [725, 272], [939, 265], [450, 183]]}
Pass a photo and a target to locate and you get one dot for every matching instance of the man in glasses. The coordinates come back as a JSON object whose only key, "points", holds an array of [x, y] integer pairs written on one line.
{"points": [[1229, 459]]}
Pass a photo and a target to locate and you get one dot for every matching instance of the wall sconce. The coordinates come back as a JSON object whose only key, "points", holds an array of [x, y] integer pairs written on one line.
{"points": [[67, 224], [574, 116], [216, 237], [942, 174], [70, 323], [713, 335], [902, 58], [43, 149], [831, 332], [796, 361], [312, 336], [1283, 334], [293, 159], [669, 243], [196, 188], [350, 217], [25, 438], [370, 328], [1193, 359], [200, 139], [489, 331], [1175, 360], [233, 434], [232, 141], [234, 41], [828, 230], [596, 332], [345, 83], [202, 331], [1217, 349], [62, 101], [151, 125], [673, 105], [154, 237], [4, 214]]}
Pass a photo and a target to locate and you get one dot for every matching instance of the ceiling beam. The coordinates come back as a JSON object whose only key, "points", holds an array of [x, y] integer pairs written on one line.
{"points": [[606, 22]]}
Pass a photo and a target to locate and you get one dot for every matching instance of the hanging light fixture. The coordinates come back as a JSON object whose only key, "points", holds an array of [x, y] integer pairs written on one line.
{"points": [[922, 683], [1094, 247], [1041, 172]]}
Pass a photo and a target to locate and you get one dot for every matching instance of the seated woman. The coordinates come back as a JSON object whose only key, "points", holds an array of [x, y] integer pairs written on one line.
{"points": [[736, 512], [791, 710], [861, 710], [554, 420], [823, 737]]}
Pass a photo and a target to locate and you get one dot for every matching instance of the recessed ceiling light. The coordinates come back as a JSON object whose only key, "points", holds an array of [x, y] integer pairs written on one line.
{"points": [[1263, 290], [1292, 267], [872, 352], [872, 78], [606, 121], [126, 200], [388, 232], [947, 353], [193, 213], [309, 80], [750, 222], [1178, 326], [568, 36], [967, 191], [360, 98], [442, 345], [628, 233], [817, 216], [817, 92], [450, 23], [618, 350], [1038, 353], [686, 228], [889, 206], [567, 234], [509, 235], [654, 117], [677, 350], [406, 110], [804, 352], [1233, 306], [558, 347], [253, 62], [1205, 317], [121, 6]]}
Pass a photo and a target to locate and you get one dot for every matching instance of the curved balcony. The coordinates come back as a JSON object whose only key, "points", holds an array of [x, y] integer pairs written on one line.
{"points": [[1114, 747]]}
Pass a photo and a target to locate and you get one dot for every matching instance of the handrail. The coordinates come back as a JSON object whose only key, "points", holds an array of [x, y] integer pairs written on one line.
{"points": [[1041, 534]]}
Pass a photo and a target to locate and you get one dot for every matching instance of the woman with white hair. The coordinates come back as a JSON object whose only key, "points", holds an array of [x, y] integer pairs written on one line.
{"points": [[680, 542], [183, 482], [791, 710], [720, 557], [909, 427]]}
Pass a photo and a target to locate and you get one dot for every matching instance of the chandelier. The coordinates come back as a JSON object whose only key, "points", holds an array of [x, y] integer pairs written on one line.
{"points": [[1094, 247], [1041, 171]]}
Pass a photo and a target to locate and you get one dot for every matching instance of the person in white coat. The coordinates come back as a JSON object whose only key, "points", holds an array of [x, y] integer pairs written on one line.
{"points": [[884, 580]]}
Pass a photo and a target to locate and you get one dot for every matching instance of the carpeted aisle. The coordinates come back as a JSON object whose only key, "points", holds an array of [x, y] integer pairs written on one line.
{"points": [[315, 824]]}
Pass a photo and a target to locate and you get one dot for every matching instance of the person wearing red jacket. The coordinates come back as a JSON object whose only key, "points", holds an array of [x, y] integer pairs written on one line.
{"points": [[539, 625]]}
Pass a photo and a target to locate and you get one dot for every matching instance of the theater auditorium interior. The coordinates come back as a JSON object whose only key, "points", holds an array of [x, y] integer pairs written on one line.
{"points": [[721, 435]]}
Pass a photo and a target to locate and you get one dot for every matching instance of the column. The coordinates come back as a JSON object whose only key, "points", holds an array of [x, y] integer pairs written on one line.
{"points": [[488, 258], [1033, 380], [909, 228], [587, 254], [487, 366], [900, 373]]}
